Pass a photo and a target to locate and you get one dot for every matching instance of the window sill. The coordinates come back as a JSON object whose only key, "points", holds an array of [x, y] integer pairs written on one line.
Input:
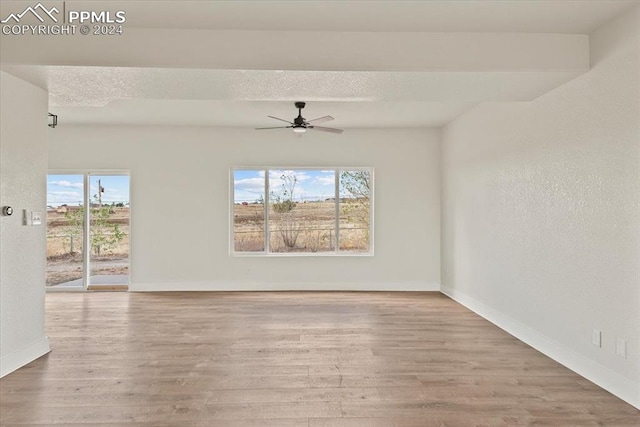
{"points": [[299, 254]]}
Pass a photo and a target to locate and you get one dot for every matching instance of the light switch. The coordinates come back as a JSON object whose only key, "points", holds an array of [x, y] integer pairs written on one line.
{"points": [[31, 217], [36, 218]]}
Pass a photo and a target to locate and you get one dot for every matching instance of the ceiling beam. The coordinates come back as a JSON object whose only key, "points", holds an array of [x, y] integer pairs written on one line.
{"points": [[304, 50]]}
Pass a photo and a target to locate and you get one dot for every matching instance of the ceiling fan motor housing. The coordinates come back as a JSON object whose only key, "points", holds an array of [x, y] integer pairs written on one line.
{"points": [[299, 122]]}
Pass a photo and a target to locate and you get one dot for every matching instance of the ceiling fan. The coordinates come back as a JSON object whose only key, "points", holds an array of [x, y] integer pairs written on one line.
{"points": [[300, 124]]}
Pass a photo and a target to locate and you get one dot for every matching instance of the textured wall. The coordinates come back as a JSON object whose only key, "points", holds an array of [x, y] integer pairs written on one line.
{"points": [[540, 212], [180, 203], [23, 162]]}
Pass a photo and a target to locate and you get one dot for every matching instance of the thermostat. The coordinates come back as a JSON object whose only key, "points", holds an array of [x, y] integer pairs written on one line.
{"points": [[7, 211]]}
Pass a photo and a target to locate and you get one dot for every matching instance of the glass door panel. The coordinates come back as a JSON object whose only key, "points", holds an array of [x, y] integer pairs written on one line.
{"points": [[65, 231], [109, 230]]}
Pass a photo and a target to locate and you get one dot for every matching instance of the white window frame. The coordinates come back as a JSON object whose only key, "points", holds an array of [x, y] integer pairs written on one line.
{"points": [[267, 252]]}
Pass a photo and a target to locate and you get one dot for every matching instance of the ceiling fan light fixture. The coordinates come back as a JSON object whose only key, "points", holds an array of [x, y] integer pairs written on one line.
{"points": [[300, 124]]}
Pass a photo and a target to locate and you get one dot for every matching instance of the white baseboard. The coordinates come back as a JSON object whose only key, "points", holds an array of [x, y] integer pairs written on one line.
{"points": [[279, 286], [21, 357], [604, 377]]}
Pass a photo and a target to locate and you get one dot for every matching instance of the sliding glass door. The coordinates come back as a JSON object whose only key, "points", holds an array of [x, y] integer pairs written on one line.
{"points": [[88, 227]]}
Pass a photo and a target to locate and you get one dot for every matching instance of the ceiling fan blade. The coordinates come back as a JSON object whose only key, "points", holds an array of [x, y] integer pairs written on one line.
{"points": [[321, 119], [277, 127], [325, 129], [282, 120]]}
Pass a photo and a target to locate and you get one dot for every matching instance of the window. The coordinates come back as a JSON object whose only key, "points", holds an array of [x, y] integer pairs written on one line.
{"points": [[302, 211]]}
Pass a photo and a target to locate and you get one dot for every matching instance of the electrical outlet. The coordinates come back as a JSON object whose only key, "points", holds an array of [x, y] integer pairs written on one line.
{"points": [[596, 338], [621, 348]]}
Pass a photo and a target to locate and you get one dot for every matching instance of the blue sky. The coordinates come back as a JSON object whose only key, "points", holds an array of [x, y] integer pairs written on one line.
{"points": [[311, 184], [68, 189]]}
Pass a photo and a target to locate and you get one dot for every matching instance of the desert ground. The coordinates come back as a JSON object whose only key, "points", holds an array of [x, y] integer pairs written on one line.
{"points": [[64, 245], [308, 227]]}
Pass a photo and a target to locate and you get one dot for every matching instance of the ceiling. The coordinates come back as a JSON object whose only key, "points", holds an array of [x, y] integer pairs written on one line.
{"points": [[367, 63], [529, 16]]}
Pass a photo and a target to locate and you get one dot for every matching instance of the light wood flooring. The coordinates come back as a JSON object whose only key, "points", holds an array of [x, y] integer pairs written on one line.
{"points": [[291, 359]]}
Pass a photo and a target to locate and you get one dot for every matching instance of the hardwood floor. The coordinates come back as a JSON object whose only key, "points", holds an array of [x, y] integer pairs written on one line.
{"points": [[291, 359]]}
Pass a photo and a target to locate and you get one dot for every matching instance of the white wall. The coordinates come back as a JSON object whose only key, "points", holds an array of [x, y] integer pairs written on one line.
{"points": [[23, 162], [541, 214], [180, 203]]}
